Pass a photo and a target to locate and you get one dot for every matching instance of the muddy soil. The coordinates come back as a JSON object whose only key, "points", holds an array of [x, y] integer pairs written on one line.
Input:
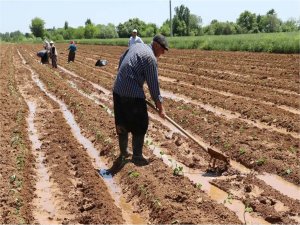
{"points": [[243, 104]]}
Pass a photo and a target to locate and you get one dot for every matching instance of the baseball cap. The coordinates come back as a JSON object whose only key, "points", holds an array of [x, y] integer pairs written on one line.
{"points": [[160, 39], [134, 30]]}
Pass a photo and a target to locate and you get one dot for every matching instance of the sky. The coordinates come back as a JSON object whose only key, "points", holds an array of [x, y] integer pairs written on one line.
{"points": [[17, 14]]}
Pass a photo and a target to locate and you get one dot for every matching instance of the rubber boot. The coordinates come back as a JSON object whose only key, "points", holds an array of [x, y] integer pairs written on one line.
{"points": [[137, 146], [123, 144]]}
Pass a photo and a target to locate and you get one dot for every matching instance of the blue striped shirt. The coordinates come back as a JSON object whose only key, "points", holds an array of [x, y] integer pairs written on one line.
{"points": [[137, 66]]}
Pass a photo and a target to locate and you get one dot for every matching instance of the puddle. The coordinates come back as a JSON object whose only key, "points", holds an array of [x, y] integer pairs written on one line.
{"points": [[199, 177], [278, 183], [113, 188], [44, 202]]}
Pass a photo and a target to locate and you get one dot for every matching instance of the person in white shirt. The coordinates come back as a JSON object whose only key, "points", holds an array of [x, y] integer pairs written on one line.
{"points": [[134, 38]]}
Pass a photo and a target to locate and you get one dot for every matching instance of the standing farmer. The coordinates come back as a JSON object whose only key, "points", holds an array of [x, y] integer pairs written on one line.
{"points": [[134, 38], [72, 50], [137, 66], [53, 54]]}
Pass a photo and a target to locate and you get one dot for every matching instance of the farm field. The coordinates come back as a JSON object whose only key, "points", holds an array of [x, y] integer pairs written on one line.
{"points": [[58, 140]]}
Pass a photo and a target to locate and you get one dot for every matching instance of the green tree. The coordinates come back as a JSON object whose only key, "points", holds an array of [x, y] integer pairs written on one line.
{"points": [[195, 25], [247, 21], [89, 31], [181, 21], [270, 23], [125, 29], [88, 21], [79, 32], [289, 26], [66, 26], [37, 27], [165, 28]]}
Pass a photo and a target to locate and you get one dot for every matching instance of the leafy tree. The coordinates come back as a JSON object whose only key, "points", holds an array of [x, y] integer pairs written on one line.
{"points": [[181, 21], [37, 27], [165, 28], [270, 23], [66, 26], [290, 25], [79, 32], [247, 21], [89, 31], [125, 29], [108, 31], [88, 21], [195, 25]]}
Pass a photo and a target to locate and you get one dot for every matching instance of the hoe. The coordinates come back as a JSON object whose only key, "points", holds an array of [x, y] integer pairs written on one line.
{"points": [[214, 154]]}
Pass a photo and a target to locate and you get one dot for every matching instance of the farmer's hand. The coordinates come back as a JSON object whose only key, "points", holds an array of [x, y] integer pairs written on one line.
{"points": [[161, 110]]}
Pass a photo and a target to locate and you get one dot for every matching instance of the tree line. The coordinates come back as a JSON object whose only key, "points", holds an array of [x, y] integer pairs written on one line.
{"points": [[184, 23]]}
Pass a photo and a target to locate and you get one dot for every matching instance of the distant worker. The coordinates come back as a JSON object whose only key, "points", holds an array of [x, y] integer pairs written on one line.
{"points": [[72, 51], [53, 54], [134, 38], [44, 54], [137, 66]]}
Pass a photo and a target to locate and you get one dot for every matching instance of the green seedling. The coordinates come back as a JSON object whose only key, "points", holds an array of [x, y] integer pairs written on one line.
{"points": [[133, 174], [227, 145], [149, 142], [199, 186], [260, 161], [161, 153], [98, 136], [12, 178], [156, 203], [288, 171], [228, 199], [293, 150], [242, 151], [178, 171], [248, 209]]}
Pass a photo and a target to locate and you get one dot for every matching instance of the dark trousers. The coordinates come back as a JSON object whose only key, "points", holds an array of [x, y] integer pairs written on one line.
{"points": [[54, 61], [71, 56], [131, 116]]}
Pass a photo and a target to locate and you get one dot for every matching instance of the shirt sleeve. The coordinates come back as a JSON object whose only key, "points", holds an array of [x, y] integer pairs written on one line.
{"points": [[151, 77]]}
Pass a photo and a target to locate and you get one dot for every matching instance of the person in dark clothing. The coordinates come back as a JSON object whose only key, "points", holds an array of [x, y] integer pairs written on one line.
{"points": [[137, 66], [53, 55], [72, 51]]}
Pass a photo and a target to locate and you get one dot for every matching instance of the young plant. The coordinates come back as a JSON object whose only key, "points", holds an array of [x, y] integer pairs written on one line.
{"points": [[199, 186], [242, 151], [260, 161], [228, 199], [133, 174], [178, 171]]}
